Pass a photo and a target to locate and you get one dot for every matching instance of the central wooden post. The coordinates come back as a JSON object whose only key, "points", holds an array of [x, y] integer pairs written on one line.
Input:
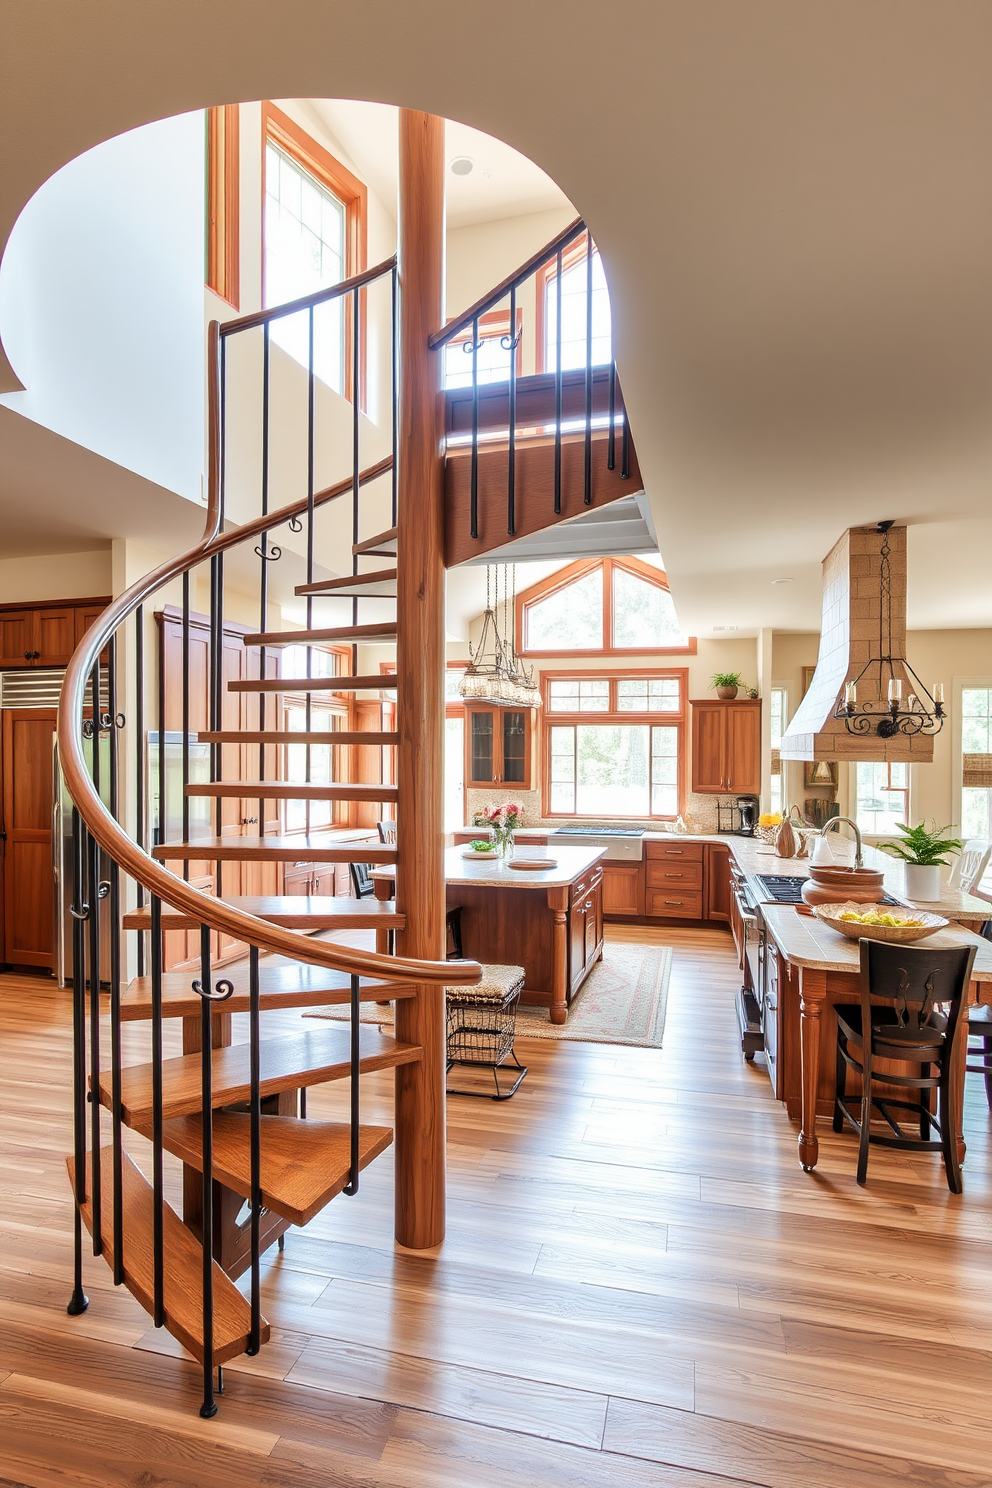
{"points": [[420, 1134]]}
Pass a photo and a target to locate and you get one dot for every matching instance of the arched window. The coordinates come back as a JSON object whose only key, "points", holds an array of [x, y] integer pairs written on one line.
{"points": [[615, 606]]}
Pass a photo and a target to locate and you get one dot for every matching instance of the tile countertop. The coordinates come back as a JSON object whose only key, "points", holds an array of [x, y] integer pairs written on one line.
{"points": [[571, 863], [807, 943]]}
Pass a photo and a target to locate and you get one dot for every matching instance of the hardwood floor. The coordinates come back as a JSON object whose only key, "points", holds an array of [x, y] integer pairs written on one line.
{"points": [[639, 1287]]}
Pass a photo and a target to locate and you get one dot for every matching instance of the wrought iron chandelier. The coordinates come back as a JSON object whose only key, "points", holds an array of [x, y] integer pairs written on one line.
{"points": [[919, 712], [495, 674]]}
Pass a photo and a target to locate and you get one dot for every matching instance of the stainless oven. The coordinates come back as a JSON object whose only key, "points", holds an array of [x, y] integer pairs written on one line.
{"points": [[751, 944]]}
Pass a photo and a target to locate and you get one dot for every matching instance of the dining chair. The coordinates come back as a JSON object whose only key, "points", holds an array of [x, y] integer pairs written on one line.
{"points": [[970, 864], [921, 1024], [387, 833], [361, 880]]}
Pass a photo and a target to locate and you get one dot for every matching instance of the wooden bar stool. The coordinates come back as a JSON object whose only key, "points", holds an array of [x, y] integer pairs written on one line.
{"points": [[922, 1024]]}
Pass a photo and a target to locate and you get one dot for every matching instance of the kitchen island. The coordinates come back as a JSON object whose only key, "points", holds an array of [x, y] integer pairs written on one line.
{"points": [[548, 920]]}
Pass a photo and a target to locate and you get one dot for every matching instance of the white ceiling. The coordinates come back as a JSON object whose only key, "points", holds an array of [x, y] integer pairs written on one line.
{"points": [[793, 202], [502, 183]]}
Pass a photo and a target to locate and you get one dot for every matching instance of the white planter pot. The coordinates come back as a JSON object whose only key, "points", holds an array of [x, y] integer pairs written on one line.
{"points": [[922, 883]]}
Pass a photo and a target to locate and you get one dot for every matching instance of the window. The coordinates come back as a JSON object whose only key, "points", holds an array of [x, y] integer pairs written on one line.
{"points": [[778, 710], [313, 236], [454, 771], [612, 605], [625, 762], [223, 202], [881, 796], [493, 354], [976, 762], [310, 816], [574, 300]]}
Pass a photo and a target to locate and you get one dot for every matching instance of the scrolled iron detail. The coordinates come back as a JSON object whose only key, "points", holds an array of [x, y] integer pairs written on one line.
{"points": [[272, 555], [222, 990], [294, 524]]}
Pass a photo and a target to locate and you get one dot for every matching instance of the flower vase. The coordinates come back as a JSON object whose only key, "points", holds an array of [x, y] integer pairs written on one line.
{"points": [[503, 841]]}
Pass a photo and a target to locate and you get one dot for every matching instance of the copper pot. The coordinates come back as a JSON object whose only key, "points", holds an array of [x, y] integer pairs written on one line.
{"points": [[862, 885]]}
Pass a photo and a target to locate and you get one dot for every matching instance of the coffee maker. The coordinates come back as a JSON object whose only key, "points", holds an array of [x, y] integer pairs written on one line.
{"points": [[747, 807]]}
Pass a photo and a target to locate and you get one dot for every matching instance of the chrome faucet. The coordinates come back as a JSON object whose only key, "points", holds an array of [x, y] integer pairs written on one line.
{"points": [[859, 857]]}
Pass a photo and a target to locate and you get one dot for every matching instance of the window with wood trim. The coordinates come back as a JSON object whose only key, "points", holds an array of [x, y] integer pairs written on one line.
{"points": [[881, 796], [976, 762], [600, 606], [320, 764], [575, 276], [614, 744], [314, 235], [223, 271], [492, 357]]}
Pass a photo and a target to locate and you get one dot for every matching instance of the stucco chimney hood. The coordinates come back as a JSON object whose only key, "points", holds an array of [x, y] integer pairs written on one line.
{"points": [[849, 637]]}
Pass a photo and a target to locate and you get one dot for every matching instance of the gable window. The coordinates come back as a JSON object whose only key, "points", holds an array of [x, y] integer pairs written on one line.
{"points": [[574, 305], [614, 746], [604, 605], [313, 237]]}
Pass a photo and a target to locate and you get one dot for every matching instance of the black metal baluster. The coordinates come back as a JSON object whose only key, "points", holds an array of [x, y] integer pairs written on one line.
{"points": [[158, 1196], [264, 560], [587, 452], [209, 1406], [220, 700], [355, 457], [558, 384], [511, 450], [624, 441], [255, 1122], [185, 684], [308, 705], [139, 760], [474, 512], [611, 438], [351, 1188], [116, 721], [79, 1301], [94, 895]]}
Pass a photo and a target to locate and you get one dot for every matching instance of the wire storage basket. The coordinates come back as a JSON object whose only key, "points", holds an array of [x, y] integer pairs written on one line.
{"points": [[481, 1024]]}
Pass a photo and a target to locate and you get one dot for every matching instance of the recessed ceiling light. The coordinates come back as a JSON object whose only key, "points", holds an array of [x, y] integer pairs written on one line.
{"points": [[462, 165], [781, 581], [725, 627]]}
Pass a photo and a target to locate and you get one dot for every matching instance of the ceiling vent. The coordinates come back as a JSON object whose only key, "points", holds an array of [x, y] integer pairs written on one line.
{"points": [[849, 639]]}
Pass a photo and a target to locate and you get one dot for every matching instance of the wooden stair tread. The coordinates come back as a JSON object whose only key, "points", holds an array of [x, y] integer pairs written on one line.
{"points": [[289, 1063], [377, 682], [381, 582], [275, 849], [290, 911], [372, 545], [183, 1279], [279, 985], [283, 736], [304, 1163], [384, 630], [289, 790]]}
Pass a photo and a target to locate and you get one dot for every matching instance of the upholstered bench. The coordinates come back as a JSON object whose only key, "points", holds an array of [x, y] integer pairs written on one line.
{"points": [[482, 1022]]}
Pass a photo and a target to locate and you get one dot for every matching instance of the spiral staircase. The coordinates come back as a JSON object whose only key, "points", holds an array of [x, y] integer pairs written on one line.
{"points": [[510, 459]]}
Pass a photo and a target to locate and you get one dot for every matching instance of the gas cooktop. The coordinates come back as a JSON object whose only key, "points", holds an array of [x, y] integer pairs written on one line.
{"points": [[782, 890]]}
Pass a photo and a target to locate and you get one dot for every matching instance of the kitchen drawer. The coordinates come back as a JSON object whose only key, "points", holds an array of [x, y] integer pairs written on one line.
{"points": [[587, 882], [676, 904], [678, 851], [674, 875]]}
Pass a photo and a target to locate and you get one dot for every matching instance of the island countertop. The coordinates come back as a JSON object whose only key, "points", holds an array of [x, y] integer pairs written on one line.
{"points": [[807, 943], [571, 864]]}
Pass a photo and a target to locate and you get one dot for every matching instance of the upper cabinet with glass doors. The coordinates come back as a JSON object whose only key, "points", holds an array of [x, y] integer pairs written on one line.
{"points": [[498, 746]]}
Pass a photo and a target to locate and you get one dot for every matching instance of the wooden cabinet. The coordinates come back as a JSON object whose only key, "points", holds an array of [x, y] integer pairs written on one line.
{"points": [[673, 879], [623, 889], [726, 747], [44, 635], [27, 923], [718, 894], [499, 746], [585, 928]]}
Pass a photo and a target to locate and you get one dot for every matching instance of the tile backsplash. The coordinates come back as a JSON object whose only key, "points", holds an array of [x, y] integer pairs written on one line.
{"points": [[702, 809]]}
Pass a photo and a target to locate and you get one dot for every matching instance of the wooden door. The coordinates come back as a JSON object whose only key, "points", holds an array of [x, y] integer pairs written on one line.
{"points": [[743, 747], [594, 921], [28, 883], [481, 746], [16, 638], [623, 889], [709, 748], [576, 942], [718, 895]]}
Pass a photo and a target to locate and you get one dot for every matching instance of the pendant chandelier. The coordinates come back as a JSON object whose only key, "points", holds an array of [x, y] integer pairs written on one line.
{"points": [[495, 674], [920, 712]]}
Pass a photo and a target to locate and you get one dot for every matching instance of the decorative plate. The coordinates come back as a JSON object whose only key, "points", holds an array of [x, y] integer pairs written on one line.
{"points": [[468, 853], [924, 923]]}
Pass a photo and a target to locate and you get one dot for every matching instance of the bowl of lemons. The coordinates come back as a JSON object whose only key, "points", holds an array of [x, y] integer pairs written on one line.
{"points": [[879, 921]]}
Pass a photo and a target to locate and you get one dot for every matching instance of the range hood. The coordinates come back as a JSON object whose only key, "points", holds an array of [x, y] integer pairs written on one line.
{"points": [[849, 638]]}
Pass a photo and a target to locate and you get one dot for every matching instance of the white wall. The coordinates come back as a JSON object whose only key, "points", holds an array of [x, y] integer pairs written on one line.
{"points": [[55, 576], [101, 295]]}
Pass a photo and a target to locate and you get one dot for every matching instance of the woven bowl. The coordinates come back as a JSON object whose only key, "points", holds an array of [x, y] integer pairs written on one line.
{"points": [[899, 934]]}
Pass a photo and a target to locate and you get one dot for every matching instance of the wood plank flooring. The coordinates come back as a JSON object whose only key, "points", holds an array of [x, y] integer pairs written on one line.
{"points": [[639, 1287]]}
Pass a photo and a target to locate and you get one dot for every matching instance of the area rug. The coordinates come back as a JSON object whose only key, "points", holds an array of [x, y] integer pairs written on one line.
{"points": [[623, 1001]]}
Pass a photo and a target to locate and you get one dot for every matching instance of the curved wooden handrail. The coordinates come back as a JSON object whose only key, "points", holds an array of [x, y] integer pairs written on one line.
{"points": [[306, 302], [454, 327], [115, 841]]}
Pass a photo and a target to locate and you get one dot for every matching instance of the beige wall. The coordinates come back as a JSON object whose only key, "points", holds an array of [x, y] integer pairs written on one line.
{"points": [[55, 576]]}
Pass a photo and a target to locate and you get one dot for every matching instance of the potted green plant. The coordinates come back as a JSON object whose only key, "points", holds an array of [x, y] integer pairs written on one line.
{"points": [[726, 684], [923, 852]]}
